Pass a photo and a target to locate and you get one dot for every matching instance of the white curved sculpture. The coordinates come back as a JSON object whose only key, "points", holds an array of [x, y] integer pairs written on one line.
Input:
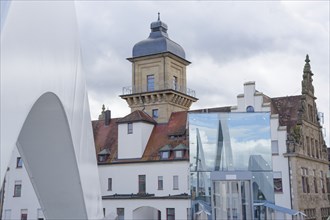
{"points": [[45, 110]]}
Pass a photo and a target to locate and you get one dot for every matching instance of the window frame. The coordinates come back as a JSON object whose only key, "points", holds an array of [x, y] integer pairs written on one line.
{"points": [[18, 188], [175, 182], [150, 83], [119, 212], [163, 153], [19, 162], [178, 156], [160, 183], [110, 184], [142, 184], [24, 214], [175, 83], [155, 113], [129, 128], [170, 213]]}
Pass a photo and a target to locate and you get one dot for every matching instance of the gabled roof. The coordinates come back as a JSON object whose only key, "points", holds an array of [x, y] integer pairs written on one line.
{"points": [[181, 147], [287, 108], [167, 147], [137, 116]]}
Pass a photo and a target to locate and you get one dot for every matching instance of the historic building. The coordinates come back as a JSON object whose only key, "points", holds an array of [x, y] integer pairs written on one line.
{"points": [[306, 149], [147, 166]]}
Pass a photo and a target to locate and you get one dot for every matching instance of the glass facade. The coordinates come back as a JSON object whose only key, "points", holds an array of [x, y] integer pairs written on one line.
{"points": [[230, 164]]}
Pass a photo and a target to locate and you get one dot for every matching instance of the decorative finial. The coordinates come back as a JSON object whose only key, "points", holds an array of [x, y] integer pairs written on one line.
{"points": [[307, 59], [103, 108], [158, 16]]}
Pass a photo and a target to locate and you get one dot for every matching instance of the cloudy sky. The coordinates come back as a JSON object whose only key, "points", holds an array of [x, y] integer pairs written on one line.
{"points": [[228, 43]]}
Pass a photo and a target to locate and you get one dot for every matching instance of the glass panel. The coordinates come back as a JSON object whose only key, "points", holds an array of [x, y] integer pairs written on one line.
{"points": [[230, 142]]}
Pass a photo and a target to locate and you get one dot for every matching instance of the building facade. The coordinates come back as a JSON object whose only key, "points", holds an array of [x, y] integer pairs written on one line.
{"points": [[145, 159]]}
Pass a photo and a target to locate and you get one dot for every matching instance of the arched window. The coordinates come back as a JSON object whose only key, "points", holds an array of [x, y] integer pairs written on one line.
{"points": [[249, 109]]}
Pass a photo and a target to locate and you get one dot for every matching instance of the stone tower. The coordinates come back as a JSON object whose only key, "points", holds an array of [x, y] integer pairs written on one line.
{"points": [[159, 85]]}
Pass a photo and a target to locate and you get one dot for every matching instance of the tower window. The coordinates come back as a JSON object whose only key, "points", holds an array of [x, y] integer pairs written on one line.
{"points": [[175, 83], [150, 83], [155, 113]]}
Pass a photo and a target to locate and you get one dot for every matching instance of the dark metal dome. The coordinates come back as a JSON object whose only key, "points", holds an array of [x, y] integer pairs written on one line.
{"points": [[157, 42]]}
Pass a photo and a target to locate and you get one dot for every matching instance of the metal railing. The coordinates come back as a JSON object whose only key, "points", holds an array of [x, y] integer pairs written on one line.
{"points": [[128, 90]]}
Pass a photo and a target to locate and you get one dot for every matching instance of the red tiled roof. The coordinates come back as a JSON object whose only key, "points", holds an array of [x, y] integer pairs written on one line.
{"points": [[106, 137], [177, 123], [137, 116], [158, 139]]}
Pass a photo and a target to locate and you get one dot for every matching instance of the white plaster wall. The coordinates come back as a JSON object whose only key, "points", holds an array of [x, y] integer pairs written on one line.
{"points": [[133, 145], [125, 177], [28, 199], [129, 206], [249, 90], [280, 163]]}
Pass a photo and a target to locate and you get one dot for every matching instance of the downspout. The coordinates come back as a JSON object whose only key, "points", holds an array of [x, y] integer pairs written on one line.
{"points": [[164, 72]]}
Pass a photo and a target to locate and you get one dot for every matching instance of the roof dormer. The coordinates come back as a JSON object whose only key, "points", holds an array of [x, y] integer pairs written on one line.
{"points": [[134, 131]]}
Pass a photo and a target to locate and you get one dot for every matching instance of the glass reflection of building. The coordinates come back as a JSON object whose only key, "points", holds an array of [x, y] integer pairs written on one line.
{"points": [[230, 160]]}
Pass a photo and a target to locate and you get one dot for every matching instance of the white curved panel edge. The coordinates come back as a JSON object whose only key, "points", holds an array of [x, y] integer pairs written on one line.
{"points": [[45, 110]]}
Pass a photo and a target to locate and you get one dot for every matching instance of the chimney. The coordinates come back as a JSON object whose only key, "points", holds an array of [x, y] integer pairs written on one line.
{"points": [[107, 117]]}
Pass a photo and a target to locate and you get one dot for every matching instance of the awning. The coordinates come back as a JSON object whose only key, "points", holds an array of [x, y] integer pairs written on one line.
{"points": [[282, 209]]}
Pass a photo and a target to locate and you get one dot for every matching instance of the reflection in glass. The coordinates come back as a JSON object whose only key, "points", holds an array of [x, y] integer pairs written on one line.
{"points": [[229, 142]]}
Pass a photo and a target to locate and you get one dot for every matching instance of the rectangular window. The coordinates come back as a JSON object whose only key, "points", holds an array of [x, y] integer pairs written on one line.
{"points": [[7, 215], [150, 83], [129, 128], [160, 182], [19, 162], [18, 188], [40, 214], [120, 213], [178, 154], [109, 184], [304, 180], [322, 185], [175, 182], [24, 213], [312, 147], [175, 83], [170, 214], [308, 146], [164, 155], [317, 148], [278, 188], [155, 113], [142, 183], [274, 147]]}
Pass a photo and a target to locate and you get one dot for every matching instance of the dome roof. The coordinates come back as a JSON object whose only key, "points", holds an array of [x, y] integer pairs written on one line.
{"points": [[157, 42]]}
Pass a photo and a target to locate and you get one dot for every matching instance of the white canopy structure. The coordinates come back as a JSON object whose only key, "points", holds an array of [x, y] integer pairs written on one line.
{"points": [[44, 107]]}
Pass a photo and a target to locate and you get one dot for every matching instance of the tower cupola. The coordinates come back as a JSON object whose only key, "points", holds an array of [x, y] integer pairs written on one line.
{"points": [[158, 42]]}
